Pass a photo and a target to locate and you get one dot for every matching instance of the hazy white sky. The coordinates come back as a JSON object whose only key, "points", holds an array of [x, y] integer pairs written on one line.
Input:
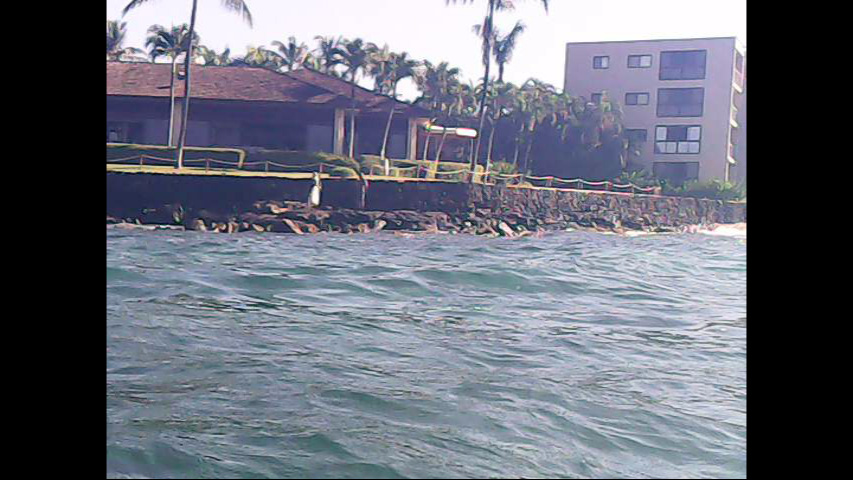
{"points": [[435, 31]]}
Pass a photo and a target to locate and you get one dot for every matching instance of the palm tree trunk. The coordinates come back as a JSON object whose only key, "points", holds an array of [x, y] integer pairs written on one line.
{"points": [[491, 143], [487, 40], [515, 157], [172, 99], [426, 145], [182, 138], [385, 140], [440, 146], [352, 121], [387, 131], [527, 154]]}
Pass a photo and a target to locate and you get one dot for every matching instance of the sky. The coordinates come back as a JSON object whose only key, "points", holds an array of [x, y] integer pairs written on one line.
{"points": [[435, 31]]}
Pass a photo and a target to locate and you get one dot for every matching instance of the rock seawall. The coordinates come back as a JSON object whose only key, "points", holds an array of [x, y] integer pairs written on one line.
{"points": [[235, 204]]}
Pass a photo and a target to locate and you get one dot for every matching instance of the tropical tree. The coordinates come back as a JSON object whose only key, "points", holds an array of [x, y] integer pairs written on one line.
{"points": [[505, 46], [388, 69], [292, 54], [326, 55], [492, 6], [116, 51], [238, 6], [209, 57], [353, 55], [169, 43], [259, 57]]}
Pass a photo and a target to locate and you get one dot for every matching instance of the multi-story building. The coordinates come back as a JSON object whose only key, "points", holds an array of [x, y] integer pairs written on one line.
{"points": [[680, 100]]}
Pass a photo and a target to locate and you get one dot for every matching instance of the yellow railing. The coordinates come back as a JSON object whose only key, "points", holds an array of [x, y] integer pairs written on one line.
{"points": [[418, 167]]}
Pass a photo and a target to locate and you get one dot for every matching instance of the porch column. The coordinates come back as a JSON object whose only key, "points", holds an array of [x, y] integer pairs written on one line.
{"points": [[340, 116], [176, 120], [412, 147]]}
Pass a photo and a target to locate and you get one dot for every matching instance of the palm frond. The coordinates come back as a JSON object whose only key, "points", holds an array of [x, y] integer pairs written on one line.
{"points": [[239, 6]]}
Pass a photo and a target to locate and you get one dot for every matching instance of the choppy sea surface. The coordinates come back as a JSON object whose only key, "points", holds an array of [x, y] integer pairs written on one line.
{"points": [[575, 355]]}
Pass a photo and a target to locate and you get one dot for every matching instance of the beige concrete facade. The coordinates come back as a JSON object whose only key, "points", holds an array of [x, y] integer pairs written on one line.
{"points": [[635, 68]]}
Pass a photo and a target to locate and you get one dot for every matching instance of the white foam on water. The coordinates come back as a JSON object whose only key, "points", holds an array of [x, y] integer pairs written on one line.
{"points": [[725, 230]]}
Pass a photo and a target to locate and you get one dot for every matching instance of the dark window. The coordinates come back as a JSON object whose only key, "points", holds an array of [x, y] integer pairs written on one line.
{"points": [[684, 65], [676, 172], [639, 61], [738, 62], [638, 98], [595, 98], [600, 62], [636, 135], [680, 102], [678, 139], [125, 132]]}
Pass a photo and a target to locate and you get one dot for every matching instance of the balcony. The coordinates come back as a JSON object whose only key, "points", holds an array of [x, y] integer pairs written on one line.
{"points": [[738, 80]]}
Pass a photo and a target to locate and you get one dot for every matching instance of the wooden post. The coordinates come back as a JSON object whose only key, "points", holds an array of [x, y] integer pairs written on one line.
{"points": [[266, 166], [206, 164]]}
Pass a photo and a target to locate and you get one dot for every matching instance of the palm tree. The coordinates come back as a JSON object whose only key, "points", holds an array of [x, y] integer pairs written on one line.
{"points": [[238, 6], [487, 34], [326, 54], [115, 40], [210, 57], [402, 67], [504, 47], [353, 54], [260, 57], [292, 54], [502, 96], [169, 43], [388, 68]]}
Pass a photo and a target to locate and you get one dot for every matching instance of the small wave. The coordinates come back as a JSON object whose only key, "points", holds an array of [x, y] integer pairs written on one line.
{"points": [[725, 230]]}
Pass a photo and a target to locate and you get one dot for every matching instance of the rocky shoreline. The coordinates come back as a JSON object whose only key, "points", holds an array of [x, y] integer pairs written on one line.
{"points": [[299, 219]]}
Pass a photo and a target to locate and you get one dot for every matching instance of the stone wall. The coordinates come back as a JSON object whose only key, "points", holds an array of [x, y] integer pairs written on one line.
{"points": [[128, 194], [614, 208]]}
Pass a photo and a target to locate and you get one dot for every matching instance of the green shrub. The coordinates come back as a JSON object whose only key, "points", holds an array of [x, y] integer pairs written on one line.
{"points": [[712, 189], [639, 178], [503, 168]]}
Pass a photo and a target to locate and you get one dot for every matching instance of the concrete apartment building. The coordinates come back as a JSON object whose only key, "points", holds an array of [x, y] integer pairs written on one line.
{"points": [[681, 101]]}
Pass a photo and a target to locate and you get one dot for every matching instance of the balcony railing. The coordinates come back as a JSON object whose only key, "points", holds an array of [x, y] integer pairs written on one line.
{"points": [[739, 79]]}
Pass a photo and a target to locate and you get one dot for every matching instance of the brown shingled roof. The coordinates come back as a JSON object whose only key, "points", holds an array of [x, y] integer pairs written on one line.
{"points": [[246, 84]]}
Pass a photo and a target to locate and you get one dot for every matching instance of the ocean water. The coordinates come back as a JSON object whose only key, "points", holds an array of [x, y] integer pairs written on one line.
{"points": [[575, 355]]}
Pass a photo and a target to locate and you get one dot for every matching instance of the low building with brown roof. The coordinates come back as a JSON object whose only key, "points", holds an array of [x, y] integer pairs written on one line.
{"points": [[253, 107]]}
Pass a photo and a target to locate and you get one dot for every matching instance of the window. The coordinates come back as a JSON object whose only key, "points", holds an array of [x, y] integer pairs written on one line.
{"points": [[639, 61], [600, 62], [636, 135], [678, 139], [595, 98], [683, 65], [738, 62], [680, 102], [676, 172], [639, 98], [125, 132]]}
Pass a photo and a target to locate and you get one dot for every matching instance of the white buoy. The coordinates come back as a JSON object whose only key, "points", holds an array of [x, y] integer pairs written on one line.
{"points": [[314, 196]]}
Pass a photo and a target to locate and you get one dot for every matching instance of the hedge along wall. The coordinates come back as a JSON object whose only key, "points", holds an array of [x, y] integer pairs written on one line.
{"points": [[129, 193]]}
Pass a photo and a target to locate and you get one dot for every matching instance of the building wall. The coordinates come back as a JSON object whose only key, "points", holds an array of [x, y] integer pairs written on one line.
{"points": [[235, 124], [739, 170], [583, 80]]}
